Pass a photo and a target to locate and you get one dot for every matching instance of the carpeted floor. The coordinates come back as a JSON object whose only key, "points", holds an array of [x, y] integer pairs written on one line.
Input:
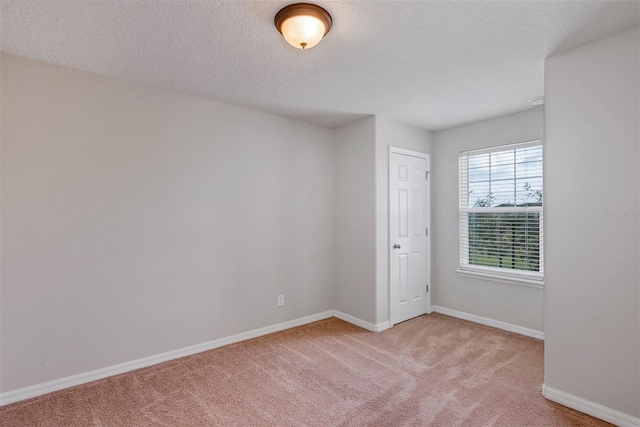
{"points": [[433, 370]]}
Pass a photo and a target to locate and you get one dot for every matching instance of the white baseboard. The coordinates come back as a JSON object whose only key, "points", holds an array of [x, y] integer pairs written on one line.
{"points": [[490, 322], [362, 323], [594, 409], [85, 377]]}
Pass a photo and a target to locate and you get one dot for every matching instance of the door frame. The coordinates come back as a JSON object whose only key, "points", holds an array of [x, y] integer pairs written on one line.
{"points": [[427, 158]]}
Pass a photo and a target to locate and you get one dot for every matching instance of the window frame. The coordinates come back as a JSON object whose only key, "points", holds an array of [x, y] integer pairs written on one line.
{"points": [[510, 275]]}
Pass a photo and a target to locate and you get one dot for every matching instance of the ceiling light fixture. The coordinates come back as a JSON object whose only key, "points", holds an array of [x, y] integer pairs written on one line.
{"points": [[303, 25]]}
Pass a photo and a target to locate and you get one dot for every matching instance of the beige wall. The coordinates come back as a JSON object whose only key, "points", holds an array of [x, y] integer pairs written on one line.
{"points": [[592, 317], [137, 221], [510, 303]]}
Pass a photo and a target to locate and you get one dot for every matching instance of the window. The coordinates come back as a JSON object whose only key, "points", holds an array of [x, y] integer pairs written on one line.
{"points": [[501, 229]]}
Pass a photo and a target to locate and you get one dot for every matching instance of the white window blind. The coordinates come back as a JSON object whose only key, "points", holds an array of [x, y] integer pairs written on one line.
{"points": [[501, 223]]}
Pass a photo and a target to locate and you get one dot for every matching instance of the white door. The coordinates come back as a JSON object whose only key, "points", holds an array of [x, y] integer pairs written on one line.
{"points": [[410, 268]]}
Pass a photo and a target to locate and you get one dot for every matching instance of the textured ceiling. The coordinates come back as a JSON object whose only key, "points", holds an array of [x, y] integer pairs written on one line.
{"points": [[431, 64]]}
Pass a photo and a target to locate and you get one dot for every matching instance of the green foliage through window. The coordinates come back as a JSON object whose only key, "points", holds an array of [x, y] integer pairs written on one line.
{"points": [[505, 240]]}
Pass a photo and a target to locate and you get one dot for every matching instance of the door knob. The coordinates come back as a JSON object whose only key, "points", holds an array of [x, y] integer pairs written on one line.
{"points": [[396, 246]]}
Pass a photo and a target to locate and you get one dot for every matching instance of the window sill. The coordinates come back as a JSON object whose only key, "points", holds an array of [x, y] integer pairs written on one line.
{"points": [[539, 284]]}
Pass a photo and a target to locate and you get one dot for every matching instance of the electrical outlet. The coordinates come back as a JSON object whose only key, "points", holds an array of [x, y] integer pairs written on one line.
{"points": [[280, 300]]}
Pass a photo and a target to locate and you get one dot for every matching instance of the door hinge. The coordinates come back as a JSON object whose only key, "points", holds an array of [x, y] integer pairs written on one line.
{"points": [[426, 231], [426, 175], [427, 288]]}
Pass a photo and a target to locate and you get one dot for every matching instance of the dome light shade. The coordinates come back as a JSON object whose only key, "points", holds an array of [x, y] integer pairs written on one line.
{"points": [[303, 25]]}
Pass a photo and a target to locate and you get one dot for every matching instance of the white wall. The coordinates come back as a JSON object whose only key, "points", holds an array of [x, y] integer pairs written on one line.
{"points": [[514, 304], [592, 318], [136, 221], [354, 238], [390, 133]]}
